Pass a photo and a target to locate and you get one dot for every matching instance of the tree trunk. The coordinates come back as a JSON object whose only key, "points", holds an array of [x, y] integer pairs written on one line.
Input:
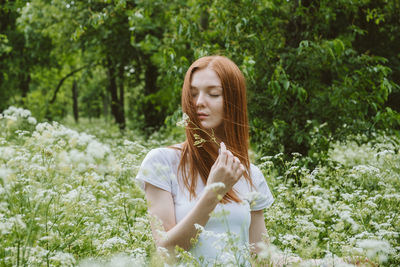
{"points": [[153, 118], [112, 88], [121, 94], [24, 84], [106, 103], [75, 101]]}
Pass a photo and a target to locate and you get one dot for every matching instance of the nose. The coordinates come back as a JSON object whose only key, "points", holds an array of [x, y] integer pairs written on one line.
{"points": [[200, 99]]}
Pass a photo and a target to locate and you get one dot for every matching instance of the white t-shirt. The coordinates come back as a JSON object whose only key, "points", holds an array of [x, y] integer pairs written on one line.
{"points": [[228, 226]]}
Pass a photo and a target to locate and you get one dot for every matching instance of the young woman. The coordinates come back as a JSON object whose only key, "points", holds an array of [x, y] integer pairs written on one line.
{"points": [[207, 184]]}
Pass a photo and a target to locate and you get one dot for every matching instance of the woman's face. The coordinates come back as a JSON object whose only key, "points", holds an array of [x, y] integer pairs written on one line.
{"points": [[207, 95]]}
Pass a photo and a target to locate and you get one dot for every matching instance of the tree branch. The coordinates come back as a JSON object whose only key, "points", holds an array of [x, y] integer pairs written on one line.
{"points": [[60, 83]]}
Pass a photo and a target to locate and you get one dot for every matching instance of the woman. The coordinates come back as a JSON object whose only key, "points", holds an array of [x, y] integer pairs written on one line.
{"points": [[203, 185]]}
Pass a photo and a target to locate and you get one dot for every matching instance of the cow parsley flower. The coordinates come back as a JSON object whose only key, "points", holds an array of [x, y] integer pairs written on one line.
{"points": [[184, 122], [32, 120], [378, 249], [113, 241], [97, 150], [215, 186]]}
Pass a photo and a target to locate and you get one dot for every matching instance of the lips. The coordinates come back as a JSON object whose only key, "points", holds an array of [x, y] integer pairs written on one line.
{"points": [[202, 115]]}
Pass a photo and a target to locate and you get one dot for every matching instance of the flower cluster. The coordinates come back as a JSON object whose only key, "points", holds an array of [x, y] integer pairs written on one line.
{"points": [[16, 121], [341, 209], [68, 195]]}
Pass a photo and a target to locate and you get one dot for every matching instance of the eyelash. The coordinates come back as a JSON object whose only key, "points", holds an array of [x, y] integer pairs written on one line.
{"points": [[194, 95]]}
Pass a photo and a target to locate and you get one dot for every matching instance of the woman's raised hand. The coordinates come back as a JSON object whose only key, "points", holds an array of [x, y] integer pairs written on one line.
{"points": [[227, 169]]}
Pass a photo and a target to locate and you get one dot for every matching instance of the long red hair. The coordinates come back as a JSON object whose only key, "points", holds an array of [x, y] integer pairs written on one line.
{"points": [[199, 160]]}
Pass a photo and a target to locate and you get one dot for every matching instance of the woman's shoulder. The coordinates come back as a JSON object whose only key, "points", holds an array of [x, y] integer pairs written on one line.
{"points": [[159, 168], [255, 171], [263, 198], [164, 153], [177, 148]]}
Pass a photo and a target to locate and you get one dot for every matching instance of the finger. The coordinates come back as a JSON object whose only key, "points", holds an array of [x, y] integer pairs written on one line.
{"points": [[239, 164], [235, 170], [220, 148], [222, 158], [235, 162], [223, 147], [239, 172], [230, 159], [242, 168], [224, 153]]}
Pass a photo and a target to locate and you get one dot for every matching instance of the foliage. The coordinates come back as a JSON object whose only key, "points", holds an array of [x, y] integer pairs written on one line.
{"points": [[308, 86], [304, 114], [316, 71], [68, 198]]}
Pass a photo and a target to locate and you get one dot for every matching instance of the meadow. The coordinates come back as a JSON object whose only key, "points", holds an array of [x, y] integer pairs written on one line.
{"points": [[68, 198]]}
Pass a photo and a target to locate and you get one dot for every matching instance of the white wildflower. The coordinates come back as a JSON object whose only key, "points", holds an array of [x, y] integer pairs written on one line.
{"points": [[7, 153], [71, 195], [42, 126], [198, 227], [4, 173], [17, 221], [289, 239], [128, 143], [113, 241], [215, 186], [379, 249], [384, 153], [266, 158], [17, 112], [137, 258], [97, 150], [32, 120], [63, 258], [77, 156], [184, 121], [365, 169]]}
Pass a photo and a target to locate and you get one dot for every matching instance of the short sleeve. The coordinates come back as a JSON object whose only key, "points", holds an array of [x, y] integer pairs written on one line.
{"points": [[263, 197], [156, 170]]}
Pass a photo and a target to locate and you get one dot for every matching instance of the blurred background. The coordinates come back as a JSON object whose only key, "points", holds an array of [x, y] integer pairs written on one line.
{"points": [[317, 71]]}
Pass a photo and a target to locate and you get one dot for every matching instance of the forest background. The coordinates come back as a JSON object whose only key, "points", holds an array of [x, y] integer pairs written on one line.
{"points": [[317, 71], [323, 81]]}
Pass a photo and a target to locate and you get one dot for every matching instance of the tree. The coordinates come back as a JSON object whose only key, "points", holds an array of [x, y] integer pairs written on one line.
{"points": [[22, 52], [309, 83], [316, 71]]}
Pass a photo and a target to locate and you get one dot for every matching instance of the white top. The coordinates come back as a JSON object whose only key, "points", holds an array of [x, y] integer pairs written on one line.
{"points": [[228, 226]]}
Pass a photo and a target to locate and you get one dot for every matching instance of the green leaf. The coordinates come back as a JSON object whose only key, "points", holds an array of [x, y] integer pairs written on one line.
{"points": [[286, 84]]}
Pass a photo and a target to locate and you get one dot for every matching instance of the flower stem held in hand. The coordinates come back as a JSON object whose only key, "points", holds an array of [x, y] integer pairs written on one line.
{"points": [[198, 139]]}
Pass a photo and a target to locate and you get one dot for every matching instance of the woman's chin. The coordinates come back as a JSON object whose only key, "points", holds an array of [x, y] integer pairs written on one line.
{"points": [[205, 125]]}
